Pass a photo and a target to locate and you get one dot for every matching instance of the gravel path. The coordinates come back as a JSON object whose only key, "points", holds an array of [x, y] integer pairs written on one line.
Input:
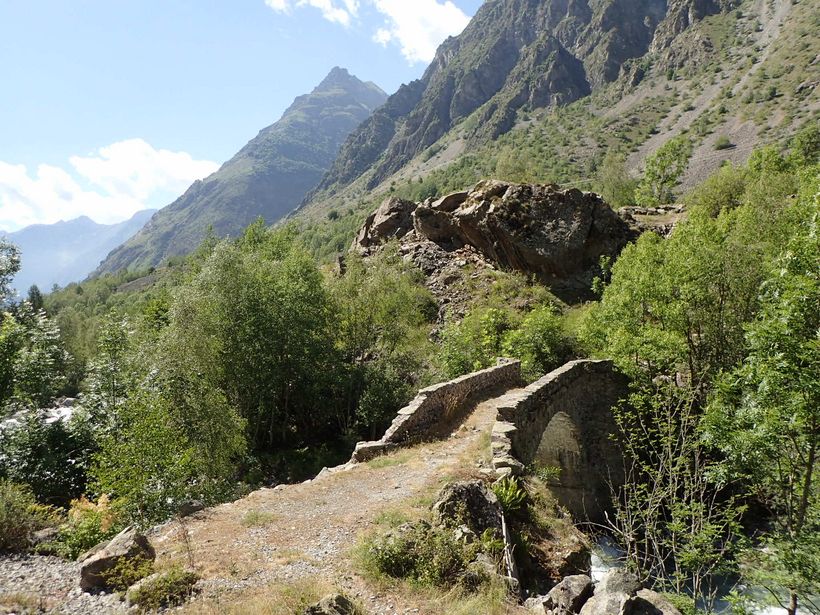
{"points": [[291, 533], [32, 584]]}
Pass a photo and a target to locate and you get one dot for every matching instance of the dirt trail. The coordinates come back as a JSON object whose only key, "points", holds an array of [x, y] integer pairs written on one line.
{"points": [[307, 531]]}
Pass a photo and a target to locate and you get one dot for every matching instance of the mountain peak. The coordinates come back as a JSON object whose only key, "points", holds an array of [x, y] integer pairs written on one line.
{"points": [[268, 177]]}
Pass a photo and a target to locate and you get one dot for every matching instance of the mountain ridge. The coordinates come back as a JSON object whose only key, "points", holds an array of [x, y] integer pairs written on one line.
{"points": [[267, 177], [68, 250]]}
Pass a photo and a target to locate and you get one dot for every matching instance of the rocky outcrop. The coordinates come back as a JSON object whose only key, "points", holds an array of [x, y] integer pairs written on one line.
{"points": [[514, 55], [470, 504], [128, 545], [392, 220], [557, 235]]}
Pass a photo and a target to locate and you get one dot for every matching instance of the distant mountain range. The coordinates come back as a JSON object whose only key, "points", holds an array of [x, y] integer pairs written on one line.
{"points": [[548, 88], [67, 252], [268, 177]]}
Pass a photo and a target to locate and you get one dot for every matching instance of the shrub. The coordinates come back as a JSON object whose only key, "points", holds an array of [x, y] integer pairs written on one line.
{"points": [[723, 142], [88, 525], [20, 516], [539, 342], [169, 589], [419, 553], [511, 495], [127, 571]]}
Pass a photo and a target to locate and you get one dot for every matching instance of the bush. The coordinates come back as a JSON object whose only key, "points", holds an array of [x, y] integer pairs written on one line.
{"points": [[20, 516], [539, 342], [168, 589], [419, 553], [127, 571], [723, 142], [88, 525]]}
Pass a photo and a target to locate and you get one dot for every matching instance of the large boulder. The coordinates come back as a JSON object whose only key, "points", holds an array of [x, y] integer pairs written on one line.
{"points": [[128, 545], [620, 593], [559, 235], [391, 220], [569, 596], [613, 594], [470, 504]]}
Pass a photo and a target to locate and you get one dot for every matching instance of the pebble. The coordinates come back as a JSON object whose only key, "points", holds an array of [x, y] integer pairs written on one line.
{"points": [[53, 583]]}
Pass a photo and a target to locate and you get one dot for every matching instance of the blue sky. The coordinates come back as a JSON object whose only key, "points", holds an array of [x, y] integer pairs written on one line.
{"points": [[108, 106]]}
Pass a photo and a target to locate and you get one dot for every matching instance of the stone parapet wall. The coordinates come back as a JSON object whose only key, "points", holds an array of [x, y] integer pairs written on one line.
{"points": [[438, 405], [580, 397]]}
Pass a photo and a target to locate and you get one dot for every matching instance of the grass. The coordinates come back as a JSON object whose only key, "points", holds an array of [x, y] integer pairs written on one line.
{"points": [[276, 599], [19, 602], [258, 518], [389, 460]]}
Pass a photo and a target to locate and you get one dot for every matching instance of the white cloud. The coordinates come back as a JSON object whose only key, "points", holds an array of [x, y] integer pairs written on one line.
{"points": [[420, 26], [108, 186], [331, 9], [417, 26]]}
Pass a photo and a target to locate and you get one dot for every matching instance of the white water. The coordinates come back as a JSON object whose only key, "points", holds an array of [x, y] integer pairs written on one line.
{"points": [[606, 556]]}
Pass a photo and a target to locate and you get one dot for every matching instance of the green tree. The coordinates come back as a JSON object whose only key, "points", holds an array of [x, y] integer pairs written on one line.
{"points": [[613, 181], [255, 322], [663, 171], [178, 439], [9, 266], [35, 298], [382, 313], [765, 417], [539, 342]]}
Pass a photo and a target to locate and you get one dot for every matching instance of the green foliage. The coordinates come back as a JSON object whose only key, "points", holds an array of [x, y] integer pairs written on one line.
{"points": [[20, 516], [723, 142], [127, 571], [511, 495], [724, 189], [168, 589], [178, 440], [677, 522], [613, 181], [663, 170], [476, 341], [681, 304], [420, 553], [255, 323], [33, 362], [765, 415], [539, 342], [52, 458], [88, 524], [9, 266], [381, 312]]}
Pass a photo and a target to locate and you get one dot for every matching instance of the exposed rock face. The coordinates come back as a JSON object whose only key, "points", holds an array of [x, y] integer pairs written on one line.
{"points": [[468, 503], [393, 219], [514, 54], [544, 230], [127, 545], [558, 235]]}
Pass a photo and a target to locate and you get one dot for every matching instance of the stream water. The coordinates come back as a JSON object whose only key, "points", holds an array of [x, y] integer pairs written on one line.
{"points": [[606, 556]]}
